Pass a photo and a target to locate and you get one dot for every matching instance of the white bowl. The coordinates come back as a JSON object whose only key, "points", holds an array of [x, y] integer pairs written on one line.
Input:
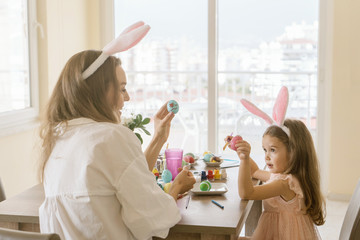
{"points": [[214, 164]]}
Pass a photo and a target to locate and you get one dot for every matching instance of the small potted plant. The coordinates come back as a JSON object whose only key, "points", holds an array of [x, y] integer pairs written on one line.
{"points": [[136, 122]]}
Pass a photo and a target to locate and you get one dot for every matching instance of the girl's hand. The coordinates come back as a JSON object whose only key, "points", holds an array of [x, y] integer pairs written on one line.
{"points": [[162, 123], [243, 149], [228, 138], [227, 141]]}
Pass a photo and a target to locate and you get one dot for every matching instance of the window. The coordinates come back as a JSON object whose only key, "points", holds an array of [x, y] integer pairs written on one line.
{"points": [[169, 63], [264, 45], [251, 48], [18, 65]]}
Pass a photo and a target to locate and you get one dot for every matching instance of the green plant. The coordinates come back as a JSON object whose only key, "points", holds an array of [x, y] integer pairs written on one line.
{"points": [[136, 122]]}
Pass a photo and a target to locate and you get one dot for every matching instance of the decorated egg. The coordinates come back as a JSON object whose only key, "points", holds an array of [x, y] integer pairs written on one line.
{"points": [[215, 159], [206, 152], [173, 106], [190, 154], [166, 176], [189, 159], [208, 157], [184, 163], [167, 187], [233, 142], [205, 185]]}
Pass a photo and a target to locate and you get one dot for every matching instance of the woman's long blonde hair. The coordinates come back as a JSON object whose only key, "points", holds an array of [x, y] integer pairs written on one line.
{"points": [[303, 164], [75, 97]]}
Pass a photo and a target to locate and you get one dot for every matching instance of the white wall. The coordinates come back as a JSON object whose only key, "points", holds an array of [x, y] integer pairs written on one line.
{"points": [[344, 165], [70, 26]]}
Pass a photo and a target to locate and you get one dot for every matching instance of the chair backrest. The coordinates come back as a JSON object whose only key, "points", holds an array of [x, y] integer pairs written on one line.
{"points": [[350, 229], [2, 192], [9, 234]]}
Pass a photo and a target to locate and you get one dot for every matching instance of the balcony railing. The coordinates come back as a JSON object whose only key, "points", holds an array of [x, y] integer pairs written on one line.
{"points": [[150, 89]]}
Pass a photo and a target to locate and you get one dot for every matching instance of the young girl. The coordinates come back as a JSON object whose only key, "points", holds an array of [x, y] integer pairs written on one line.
{"points": [[97, 180], [293, 202]]}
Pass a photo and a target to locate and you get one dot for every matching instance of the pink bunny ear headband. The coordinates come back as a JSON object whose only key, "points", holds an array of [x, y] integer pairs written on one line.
{"points": [[127, 39], [279, 110]]}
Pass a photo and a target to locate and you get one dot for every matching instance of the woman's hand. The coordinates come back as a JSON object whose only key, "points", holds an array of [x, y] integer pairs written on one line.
{"points": [[243, 149], [162, 123], [183, 182]]}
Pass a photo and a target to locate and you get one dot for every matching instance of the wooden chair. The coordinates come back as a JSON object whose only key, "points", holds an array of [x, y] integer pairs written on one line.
{"points": [[2, 192], [9, 234], [350, 229]]}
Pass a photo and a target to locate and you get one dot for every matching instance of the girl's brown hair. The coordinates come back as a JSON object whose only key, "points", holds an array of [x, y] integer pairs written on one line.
{"points": [[303, 164], [75, 97]]}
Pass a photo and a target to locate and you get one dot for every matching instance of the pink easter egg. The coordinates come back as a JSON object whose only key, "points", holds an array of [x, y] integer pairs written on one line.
{"points": [[233, 142]]}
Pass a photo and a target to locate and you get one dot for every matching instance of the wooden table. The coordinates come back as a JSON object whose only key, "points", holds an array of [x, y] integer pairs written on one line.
{"points": [[22, 211], [204, 220], [201, 220]]}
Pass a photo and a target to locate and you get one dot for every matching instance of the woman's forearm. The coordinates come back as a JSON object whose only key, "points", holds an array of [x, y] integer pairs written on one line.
{"points": [[174, 191], [152, 151]]}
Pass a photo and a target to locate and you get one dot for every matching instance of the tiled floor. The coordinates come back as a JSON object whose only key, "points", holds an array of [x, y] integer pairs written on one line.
{"points": [[335, 216]]}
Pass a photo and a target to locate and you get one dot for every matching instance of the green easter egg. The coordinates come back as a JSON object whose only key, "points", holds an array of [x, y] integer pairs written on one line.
{"points": [[205, 185], [183, 163]]}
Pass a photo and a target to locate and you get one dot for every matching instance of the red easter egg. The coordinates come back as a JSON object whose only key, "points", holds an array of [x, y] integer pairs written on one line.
{"points": [[233, 142], [189, 159]]}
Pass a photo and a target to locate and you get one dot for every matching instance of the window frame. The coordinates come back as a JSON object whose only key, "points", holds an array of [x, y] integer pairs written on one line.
{"points": [[325, 49], [21, 120], [324, 70]]}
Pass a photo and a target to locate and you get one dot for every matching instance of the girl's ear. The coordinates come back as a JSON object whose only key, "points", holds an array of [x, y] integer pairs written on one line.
{"points": [[280, 106], [255, 110], [127, 39]]}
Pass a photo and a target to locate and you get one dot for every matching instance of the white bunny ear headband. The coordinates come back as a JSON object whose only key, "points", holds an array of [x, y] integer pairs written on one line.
{"points": [[127, 39], [279, 110]]}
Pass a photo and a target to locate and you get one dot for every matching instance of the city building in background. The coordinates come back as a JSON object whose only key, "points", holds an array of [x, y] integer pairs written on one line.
{"points": [[259, 50]]}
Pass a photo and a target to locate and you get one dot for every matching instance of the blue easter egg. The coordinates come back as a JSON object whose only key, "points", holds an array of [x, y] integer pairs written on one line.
{"points": [[208, 157], [166, 176], [173, 106]]}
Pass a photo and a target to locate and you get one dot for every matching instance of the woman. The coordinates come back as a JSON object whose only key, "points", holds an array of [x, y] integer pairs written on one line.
{"points": [[97, 180]]}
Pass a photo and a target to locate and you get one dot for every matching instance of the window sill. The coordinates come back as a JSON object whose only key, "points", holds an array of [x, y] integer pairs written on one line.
{"points": [[18, 127]]}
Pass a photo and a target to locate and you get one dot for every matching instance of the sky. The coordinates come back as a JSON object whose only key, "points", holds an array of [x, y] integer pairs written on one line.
{"points": [[246, 22]]}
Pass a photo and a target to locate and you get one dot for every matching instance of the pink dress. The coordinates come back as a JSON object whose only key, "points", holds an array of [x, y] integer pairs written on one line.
{"points": [[284, 220]]}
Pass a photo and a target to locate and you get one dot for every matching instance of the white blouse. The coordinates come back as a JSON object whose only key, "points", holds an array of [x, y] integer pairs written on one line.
{"points": [[98, 186]]}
